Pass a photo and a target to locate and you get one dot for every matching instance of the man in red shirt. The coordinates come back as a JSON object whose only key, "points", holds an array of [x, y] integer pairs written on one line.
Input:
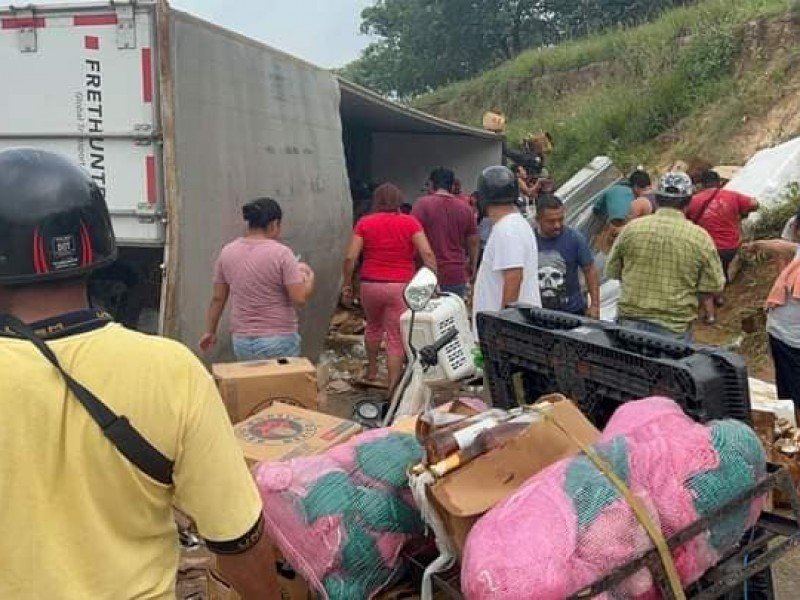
{"points": [[450, 226], [720, 212]]}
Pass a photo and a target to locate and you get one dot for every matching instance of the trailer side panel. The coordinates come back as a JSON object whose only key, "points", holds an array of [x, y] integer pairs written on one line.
{"points": [[251, 122]]}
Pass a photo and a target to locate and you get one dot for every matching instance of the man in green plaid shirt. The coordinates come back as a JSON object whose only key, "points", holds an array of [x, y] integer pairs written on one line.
{"points": [[664, 262]]}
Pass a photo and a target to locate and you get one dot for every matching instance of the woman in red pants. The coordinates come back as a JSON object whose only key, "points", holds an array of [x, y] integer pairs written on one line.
{"points": [[389, 241]]}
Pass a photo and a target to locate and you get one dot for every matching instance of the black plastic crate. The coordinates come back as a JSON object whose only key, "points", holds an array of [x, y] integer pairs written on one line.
{"points": [[601, 366]]}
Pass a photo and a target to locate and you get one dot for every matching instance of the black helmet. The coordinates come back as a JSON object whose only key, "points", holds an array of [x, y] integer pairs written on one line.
{"points": [[54, 223], [497, 185]]}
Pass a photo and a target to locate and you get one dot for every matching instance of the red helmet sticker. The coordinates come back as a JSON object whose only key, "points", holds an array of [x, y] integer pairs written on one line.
{"points": [[39, 257]]}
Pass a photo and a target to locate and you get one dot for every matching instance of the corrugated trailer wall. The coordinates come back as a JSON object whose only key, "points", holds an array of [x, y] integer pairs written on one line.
{"points": [[249, 122], [407, 159]]}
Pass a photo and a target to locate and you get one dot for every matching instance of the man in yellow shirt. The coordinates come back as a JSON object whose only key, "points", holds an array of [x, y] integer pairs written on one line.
{"points": [[79, 518]]}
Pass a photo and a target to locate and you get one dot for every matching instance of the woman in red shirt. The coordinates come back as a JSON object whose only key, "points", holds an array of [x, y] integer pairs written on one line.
{"points": [[388, 240]]}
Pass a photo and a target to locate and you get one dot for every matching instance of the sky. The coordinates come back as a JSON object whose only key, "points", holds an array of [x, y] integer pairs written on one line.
{"points": [[323, 32]]}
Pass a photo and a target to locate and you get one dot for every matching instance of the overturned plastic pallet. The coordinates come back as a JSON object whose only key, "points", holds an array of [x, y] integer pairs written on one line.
{"points": [[531, 352]]}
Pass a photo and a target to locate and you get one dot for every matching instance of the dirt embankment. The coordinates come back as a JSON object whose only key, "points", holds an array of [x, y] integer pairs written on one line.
{"points": [[744, 298], [761, 111], [770, 46]]}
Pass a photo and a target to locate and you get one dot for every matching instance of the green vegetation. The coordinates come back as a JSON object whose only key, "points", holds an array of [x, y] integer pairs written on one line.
{"points": [[425, 44], [617, 93], [772, 221]]}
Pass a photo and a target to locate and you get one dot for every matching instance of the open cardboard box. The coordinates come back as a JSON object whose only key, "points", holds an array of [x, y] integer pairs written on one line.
{"points": [[463, 496], [461, 406]]}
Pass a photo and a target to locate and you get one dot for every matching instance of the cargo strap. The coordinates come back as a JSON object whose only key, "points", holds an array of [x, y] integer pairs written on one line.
{"points": [[116, 428], [420, 479], [639, 510]]}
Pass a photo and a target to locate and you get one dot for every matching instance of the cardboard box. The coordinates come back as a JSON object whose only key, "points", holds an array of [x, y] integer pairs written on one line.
{"points": [[198, 578], [211, 586], [764, 397], [192, 581], [462, 496], [250, 387], [219, 589], [282, 432]]}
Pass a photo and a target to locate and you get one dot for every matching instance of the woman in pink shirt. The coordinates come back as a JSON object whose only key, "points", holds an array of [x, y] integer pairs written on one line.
{"points": [[388, 240], [265, 283]]}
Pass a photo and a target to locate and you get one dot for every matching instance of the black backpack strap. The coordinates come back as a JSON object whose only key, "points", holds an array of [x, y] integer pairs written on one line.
{"points": [[117, 429]]}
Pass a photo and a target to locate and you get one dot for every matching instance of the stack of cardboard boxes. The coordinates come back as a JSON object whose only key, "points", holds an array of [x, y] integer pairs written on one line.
{"points": [[775, 423]]}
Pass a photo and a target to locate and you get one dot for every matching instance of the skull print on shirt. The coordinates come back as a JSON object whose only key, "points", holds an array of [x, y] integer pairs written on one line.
{"points": [[553, 279]]}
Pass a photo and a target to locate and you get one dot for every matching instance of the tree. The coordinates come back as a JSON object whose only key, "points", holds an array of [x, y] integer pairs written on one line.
{"points": [[425, 44]]}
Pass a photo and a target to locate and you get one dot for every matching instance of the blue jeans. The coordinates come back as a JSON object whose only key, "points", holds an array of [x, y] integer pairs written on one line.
{"points": [[459, 290], [262, 348], [647, 327]]}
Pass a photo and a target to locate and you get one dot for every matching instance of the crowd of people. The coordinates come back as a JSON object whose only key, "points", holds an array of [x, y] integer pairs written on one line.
{"points": [[670, 246]]}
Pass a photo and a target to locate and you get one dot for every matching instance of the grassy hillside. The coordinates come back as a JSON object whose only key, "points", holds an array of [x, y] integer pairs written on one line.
{"points": [[710, 80]]}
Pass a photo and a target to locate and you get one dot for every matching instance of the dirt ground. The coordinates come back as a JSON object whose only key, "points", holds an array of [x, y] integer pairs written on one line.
{"points": [[744, 297]]}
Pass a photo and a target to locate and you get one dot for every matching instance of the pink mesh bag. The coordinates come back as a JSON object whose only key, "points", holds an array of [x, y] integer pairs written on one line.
{"points": [[568, 527], [341, 518]]}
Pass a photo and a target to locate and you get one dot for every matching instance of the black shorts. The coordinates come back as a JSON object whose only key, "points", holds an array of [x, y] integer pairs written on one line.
{"points": [[726, 258], [787, 368]]}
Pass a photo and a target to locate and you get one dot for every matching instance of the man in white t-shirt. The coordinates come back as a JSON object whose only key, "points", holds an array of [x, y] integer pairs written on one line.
{"points": [[509, 272]]}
